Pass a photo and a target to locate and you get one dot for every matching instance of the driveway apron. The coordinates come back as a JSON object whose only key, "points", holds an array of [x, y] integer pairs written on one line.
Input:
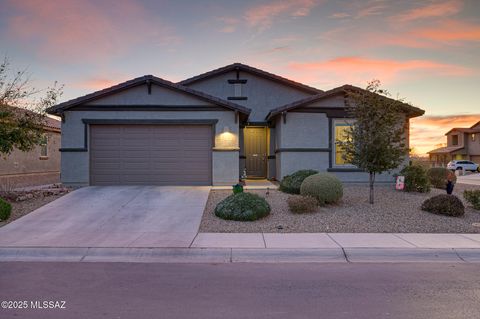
{"points": [[113, 216]]}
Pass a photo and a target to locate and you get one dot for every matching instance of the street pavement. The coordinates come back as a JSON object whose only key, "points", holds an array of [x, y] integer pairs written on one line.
{"points": [[327, 290]]}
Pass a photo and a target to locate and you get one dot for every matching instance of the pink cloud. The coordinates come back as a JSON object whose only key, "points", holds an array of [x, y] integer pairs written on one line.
{"points": [[98, 83], [358, 70], [84, 29], [262, 16], [433, 10]]}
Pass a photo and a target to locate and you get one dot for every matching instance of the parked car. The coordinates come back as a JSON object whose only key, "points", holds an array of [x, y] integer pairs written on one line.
{"points": [[466, 165]]}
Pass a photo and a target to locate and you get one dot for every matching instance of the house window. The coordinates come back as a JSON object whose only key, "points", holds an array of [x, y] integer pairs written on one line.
{"points": [[44, 146], [454, 139], [340, 134]]}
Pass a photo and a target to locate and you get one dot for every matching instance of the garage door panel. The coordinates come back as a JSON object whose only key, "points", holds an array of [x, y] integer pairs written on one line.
{"points": [[151, 154]]}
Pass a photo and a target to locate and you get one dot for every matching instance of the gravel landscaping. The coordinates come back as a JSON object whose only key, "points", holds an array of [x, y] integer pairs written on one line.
{"points": [[25, 202], [394, 211]]}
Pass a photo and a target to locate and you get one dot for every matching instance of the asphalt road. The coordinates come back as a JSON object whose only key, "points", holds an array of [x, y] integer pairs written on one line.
{"points": [[128, 290]]}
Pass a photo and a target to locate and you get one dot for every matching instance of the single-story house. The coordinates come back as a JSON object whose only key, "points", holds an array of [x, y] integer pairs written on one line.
{"points": [[39, 166], [463, 143], [206, 130]]}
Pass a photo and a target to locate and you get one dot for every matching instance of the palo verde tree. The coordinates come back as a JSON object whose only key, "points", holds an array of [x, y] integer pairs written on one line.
{"points": [[22, 110], [375, 142]]}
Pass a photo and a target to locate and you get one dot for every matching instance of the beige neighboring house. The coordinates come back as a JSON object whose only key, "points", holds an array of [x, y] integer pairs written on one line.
{"points": [[36, 167], [463, 143]]}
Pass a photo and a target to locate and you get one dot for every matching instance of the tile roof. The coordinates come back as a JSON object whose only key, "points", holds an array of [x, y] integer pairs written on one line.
{"points": [[414, 111], [247, 68], [59, 108], [445, 150]]}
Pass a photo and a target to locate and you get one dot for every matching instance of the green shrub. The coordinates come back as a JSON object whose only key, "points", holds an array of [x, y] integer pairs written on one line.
{"points": [[302, 204], [326, 188], [416, 179], [291, 183], [449, 205], [473, 197], [242, 207], [5, 209], [438, 177], [237, 188]]}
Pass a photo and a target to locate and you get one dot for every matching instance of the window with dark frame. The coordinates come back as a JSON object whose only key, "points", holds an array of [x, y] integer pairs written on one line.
{"points": [[44, 146], [454, 139]]}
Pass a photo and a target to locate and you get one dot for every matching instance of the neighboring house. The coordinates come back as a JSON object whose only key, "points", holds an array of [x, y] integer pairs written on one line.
{"points": [[36, 167], [206, 130], [463, 143]]}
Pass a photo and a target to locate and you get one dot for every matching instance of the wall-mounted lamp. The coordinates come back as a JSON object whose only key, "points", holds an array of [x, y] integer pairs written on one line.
{"points": [[226, 129]]}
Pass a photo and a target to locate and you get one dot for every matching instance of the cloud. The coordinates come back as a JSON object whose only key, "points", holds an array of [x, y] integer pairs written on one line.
{"points": [[359, 70], [84, 29], [340, 15], [428, 132], [229, 24], [433, 10], [262, 16], [98, 83]]}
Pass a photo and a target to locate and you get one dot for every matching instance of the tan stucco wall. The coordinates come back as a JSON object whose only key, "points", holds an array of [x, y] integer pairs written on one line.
{"points": [[28, 168]]}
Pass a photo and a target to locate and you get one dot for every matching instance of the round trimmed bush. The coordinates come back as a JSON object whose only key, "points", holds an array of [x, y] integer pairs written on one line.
{"points": [[299, 204], [449, 205], [291, 183], [438, 177], [326, 188], [416, 179], [242, 207], [5, 209]]}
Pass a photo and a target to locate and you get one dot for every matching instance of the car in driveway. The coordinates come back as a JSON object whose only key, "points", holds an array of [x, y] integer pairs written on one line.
{"points": [[463, 165]]}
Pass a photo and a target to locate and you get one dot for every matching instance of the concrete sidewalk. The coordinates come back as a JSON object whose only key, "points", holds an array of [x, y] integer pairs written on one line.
{"points": [[274, 248]]}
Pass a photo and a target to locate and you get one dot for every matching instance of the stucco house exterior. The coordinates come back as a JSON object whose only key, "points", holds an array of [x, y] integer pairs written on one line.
{"points": [[463, 143], [37, 167], [206, 130]]}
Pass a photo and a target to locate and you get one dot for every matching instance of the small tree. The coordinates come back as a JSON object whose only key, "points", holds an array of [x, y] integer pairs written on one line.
{"points": [[22, 111], [375, 142]]}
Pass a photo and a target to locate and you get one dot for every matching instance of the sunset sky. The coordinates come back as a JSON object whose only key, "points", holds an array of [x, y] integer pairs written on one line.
{"points": [[427, 52]]}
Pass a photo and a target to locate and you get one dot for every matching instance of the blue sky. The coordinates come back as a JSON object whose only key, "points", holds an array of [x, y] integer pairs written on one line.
{"points": [[427, 52]]}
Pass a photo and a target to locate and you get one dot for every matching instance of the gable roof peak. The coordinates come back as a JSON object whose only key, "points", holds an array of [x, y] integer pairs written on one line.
{"points": [[145, 79], [253, 70]]}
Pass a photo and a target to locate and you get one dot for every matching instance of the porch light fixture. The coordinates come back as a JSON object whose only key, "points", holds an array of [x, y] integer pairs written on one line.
{"points": [[226, 129]]}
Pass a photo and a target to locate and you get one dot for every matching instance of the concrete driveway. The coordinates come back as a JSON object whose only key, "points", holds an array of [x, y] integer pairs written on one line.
{"points": [[116, 216]]}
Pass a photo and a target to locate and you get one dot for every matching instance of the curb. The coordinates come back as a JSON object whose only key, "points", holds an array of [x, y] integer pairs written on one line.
{"points": [[239, 255]]}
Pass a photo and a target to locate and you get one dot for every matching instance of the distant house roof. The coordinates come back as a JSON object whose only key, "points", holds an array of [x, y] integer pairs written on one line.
{"points": [[48, 122], [445, 150], [146, 79], [247, 68], [475, 128], [52, 123], [411, 110]]}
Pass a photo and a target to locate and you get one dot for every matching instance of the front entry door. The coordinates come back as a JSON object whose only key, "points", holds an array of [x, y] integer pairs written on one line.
{"points": [[256, 151]]}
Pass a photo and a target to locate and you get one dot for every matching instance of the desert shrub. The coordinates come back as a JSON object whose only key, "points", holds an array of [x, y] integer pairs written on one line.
{"points": [[291, 183], [302, 204], [5, 209], [444, 204], [242, 207], [473, 197], [237, 188], [416, 179], [438, 177], [326, 188]]}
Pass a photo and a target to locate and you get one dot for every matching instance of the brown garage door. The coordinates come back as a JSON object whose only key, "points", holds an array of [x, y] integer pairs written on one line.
{"points": [[150, 154]]}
